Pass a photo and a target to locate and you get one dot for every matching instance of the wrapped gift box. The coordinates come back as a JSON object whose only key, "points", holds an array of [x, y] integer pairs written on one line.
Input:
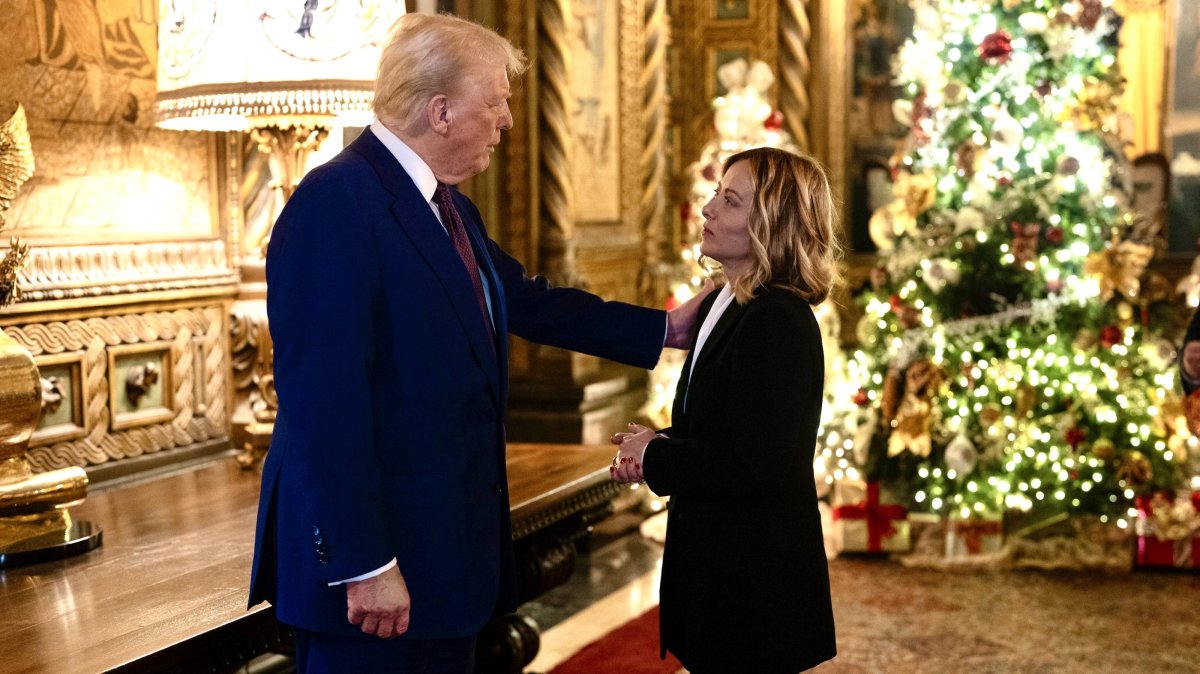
{"points": [[979, 534], [1168, 532], [862, 523]]}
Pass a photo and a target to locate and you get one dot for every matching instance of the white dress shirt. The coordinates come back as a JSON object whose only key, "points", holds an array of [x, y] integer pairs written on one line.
{"points": [[724, 299]]}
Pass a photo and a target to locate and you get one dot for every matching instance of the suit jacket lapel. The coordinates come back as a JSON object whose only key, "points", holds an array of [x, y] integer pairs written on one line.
{"points": [[417, 221]]}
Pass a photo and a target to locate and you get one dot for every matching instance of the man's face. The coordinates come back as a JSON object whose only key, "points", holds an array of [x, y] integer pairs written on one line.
{"points": [[478, 113]]}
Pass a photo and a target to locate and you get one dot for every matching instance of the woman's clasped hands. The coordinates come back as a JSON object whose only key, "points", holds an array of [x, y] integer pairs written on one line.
{"points": [[626, 467]]}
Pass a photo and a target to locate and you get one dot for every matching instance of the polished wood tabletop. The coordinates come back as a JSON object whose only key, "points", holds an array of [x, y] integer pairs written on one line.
{"points": [[175, 563]]}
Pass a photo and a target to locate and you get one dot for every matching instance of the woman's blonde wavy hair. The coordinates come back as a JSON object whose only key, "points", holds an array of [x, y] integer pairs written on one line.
{"points": [[792, 225]]}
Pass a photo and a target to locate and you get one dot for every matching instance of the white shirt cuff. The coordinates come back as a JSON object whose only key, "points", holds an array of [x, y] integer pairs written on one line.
{"points": [[365, 576]]}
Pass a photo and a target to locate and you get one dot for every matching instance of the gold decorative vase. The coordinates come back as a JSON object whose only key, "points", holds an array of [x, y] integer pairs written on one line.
{"points": [[34, 522]]}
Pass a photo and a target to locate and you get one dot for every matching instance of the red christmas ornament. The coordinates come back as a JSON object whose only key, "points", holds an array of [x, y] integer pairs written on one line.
{"points": [[671, 302], [1089, 14], [1005, 181], [1074, 436], [895, 301], [860, 397], [1110, 335], [996, 47], [774, 121], [1054, 235]]}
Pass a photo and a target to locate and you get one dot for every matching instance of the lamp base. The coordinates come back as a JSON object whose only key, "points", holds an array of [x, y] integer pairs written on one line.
{"points": [[76, 537]]}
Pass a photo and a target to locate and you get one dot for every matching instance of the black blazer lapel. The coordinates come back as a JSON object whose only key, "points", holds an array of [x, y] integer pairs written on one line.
{"points": [[721, 331], [417, 221], [678, 415]]}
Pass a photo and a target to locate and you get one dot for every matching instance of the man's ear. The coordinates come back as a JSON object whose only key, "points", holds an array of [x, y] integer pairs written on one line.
{"points": [[437, 112]]}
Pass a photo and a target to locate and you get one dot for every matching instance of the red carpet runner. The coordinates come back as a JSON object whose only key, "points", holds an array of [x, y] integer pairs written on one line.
{"points": [[632, 648]]}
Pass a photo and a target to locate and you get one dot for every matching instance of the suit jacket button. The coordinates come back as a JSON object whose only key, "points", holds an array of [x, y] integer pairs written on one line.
{"points": [[498, 488]]}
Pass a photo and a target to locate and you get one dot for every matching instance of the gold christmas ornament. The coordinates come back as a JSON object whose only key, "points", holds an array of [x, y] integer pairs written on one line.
{"points": [[1134, 469], [1119, 267], [989, 415], [1027, 398], [914, 418], [1093, 109], [1103, 449], [890, 399], [1085, 340], [914, 194]]}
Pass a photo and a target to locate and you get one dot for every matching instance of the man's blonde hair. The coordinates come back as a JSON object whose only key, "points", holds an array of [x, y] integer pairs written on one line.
{"points": [[792, 226], [429, 54]]}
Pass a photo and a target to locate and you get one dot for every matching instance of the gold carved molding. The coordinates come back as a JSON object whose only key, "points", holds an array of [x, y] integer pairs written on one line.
{"points": [[68, 272], [196, 376]]}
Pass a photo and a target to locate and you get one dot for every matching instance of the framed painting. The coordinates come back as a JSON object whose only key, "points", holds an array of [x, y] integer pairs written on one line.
{"points": [[64, 377], [140, 384]]}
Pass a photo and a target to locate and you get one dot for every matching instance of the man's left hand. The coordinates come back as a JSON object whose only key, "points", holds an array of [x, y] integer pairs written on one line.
{"points": [[682, 318]]}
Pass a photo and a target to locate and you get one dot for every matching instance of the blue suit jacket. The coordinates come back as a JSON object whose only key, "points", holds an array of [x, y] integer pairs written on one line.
{"points": [[390, 438]]}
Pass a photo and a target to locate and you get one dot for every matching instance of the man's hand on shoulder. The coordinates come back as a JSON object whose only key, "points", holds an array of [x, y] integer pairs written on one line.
{"points": [[379, 604], [682, 319]]}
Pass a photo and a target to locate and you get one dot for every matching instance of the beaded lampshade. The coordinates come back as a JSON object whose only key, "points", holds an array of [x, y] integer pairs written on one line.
{"points": [[233, 66]]}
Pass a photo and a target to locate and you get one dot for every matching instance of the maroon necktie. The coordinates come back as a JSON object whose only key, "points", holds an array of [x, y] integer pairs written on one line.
{"points": [[458, 234]]}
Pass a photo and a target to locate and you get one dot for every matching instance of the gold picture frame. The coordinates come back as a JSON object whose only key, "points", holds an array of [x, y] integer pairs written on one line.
{"points": [[68, 421], [156, 404]]}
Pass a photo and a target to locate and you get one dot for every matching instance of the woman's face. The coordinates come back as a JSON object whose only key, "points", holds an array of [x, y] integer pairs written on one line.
{"points": [[726, 221]]}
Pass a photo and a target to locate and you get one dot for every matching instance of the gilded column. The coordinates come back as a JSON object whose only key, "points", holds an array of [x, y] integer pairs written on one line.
{"points": [[795, 69], [556, 243], [656, 234]]}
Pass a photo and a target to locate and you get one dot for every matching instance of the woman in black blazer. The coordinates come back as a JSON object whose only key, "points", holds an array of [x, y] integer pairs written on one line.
{"points": [[745, 582]]}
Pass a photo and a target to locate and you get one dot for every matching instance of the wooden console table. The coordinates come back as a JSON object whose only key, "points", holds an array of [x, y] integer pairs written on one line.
{"points": [[167, 590]]}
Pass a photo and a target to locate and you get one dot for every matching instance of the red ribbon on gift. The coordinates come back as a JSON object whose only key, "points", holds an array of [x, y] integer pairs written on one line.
{"points": [[972, 532], [879, 517], [1157, 552]]}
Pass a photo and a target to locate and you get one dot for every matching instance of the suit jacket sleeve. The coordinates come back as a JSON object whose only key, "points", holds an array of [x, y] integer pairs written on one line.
{"points": [[324, 284], [773, 379], [1193, 334], [576, 320]]}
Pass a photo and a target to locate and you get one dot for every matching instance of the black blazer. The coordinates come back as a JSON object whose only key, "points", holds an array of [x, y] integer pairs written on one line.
{"points": [[745, 582]]}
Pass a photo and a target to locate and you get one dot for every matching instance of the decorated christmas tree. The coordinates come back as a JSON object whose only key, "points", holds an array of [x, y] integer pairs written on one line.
{"points": [[742, 118], [1011, 355]]}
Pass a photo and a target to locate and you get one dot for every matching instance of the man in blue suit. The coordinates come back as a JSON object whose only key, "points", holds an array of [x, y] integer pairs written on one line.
{"points": [[384, 510]]}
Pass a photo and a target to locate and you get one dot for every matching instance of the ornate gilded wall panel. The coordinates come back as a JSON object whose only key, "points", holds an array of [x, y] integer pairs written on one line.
{"points": [[115, 205], [186, 404], [706, 34], [584, 168]]}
